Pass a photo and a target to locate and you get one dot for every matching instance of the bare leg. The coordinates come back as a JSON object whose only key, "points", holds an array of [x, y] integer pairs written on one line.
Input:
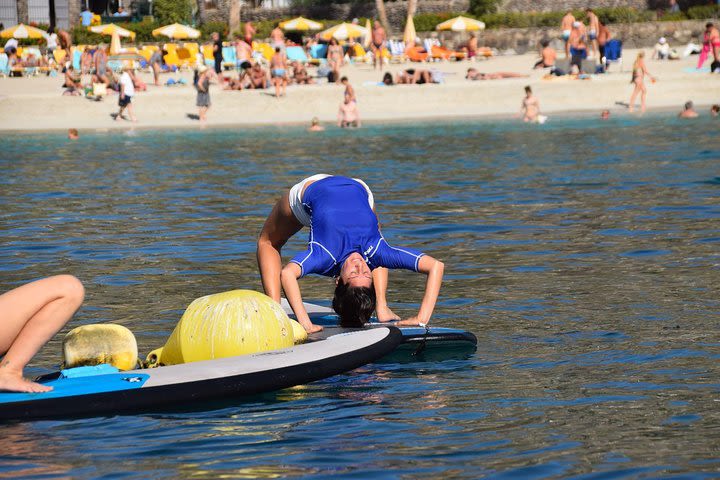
{"points": [[31, 315], [643, 94], [280, 225], [631, 107], [380, 281], [132, 113], [156, 73]]}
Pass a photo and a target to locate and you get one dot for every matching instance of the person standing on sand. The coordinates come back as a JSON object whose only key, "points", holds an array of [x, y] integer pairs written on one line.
{"points": [[639, 71], [203, 92], [530, 107], [278, 72], [593, 31], [378, 43], [217, 52], [249, 31], [566, 25], [156, 61], [29, 316], [335, 58], [277, 38], [127, 91]]}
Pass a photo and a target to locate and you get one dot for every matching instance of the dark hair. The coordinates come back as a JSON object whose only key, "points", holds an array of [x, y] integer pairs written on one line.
{"points": [[545, 43], [387, 78], [708, 25], [715, 108], [343, 79], [354, 305], [528, 89]]}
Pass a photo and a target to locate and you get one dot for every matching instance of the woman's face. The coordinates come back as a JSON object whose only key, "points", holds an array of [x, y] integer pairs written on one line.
{"points": [[355, 272]]}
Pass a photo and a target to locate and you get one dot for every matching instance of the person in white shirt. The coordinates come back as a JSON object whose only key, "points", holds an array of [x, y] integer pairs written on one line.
{"points": [[11, 44], [52, 41], [127, 91], [662, 49]]}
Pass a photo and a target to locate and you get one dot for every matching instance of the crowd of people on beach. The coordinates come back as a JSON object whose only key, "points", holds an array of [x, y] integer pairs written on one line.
{"points": [[588, 50]]}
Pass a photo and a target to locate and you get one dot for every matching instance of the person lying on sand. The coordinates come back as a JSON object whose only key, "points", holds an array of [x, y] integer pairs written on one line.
{"points": [[345, 243], [473, 74]]}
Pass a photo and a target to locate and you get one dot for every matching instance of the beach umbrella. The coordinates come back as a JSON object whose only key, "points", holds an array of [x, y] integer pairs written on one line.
{"points": [[368, 37], [409, 35], [344, 31], [460, 24], [176, 31], [115, 46], [23, 31], [301, 24], [110, 28]]}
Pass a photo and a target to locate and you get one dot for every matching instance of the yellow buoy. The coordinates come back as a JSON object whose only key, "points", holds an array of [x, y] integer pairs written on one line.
{"points": [[228, 324], [90, 345]]}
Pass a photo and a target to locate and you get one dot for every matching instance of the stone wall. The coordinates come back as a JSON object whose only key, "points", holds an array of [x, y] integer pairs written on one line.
{"points": [[396, 11], [633, 35], [562, 5]]}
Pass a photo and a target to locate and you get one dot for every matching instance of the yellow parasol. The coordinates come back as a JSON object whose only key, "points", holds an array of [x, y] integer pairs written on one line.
{"points": [[110, 28], [23, 31], [368, 37], [344, 31], [409, 35], [115, 46], [301, 24], [176, 31], [460, 24]]}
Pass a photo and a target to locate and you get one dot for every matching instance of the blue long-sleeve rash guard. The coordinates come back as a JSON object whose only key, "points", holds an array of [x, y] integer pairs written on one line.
{"points": [[342, 222]]}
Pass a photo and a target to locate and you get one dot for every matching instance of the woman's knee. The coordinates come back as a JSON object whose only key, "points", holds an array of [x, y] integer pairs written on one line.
{"points": [[71, 288]]}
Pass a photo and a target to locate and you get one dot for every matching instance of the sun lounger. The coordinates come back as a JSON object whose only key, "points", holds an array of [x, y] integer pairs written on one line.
{"points": [[397, 51], [76, 57], [229, 57], [442, 53]]}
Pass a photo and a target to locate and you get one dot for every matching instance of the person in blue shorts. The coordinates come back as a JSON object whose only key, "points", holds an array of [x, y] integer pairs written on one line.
{"points": [[345, 242]]}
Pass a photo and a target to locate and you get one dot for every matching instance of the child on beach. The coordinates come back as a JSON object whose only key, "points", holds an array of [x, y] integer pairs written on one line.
{"points": [[203, 92], [349, 90], [29, 316], [127, 91], [345, 242]]}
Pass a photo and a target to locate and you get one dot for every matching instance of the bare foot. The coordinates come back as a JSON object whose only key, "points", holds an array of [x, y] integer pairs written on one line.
{"points": [[386, 315], [14, 382]]}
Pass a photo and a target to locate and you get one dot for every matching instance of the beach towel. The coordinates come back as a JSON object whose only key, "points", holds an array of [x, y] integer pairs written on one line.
{"points": [[229, 56], [77, 54], [613, 50]]}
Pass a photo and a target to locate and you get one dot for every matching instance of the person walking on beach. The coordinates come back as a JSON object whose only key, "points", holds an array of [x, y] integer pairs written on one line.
{"points": [[217, 52], [530, 107], [278, 72], [203, 92], [345, 243], [29, 316], [566, 25], [711, 44], [639, 71], [127, 91], [334, 58], [378, 43]]}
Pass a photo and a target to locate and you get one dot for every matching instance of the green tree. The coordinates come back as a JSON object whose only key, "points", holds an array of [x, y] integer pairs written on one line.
{"points": [[172, 11], [482, 7]]}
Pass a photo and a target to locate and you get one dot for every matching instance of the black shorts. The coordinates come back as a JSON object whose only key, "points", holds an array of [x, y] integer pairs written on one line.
{"points": [[124, 101]]}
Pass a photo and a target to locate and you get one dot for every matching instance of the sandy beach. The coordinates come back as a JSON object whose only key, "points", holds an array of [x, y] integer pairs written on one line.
{"points": [[36, 103]]}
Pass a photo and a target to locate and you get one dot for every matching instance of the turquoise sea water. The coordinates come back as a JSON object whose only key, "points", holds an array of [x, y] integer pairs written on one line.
{"points": [[584, 255]]}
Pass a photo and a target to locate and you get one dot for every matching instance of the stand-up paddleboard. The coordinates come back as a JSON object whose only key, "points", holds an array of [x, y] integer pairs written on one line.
{"points": [[87, 391], [419, 338]]}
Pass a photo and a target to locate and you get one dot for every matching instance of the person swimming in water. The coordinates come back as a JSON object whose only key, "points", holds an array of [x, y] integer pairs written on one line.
{"points": [[345, 242]]}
